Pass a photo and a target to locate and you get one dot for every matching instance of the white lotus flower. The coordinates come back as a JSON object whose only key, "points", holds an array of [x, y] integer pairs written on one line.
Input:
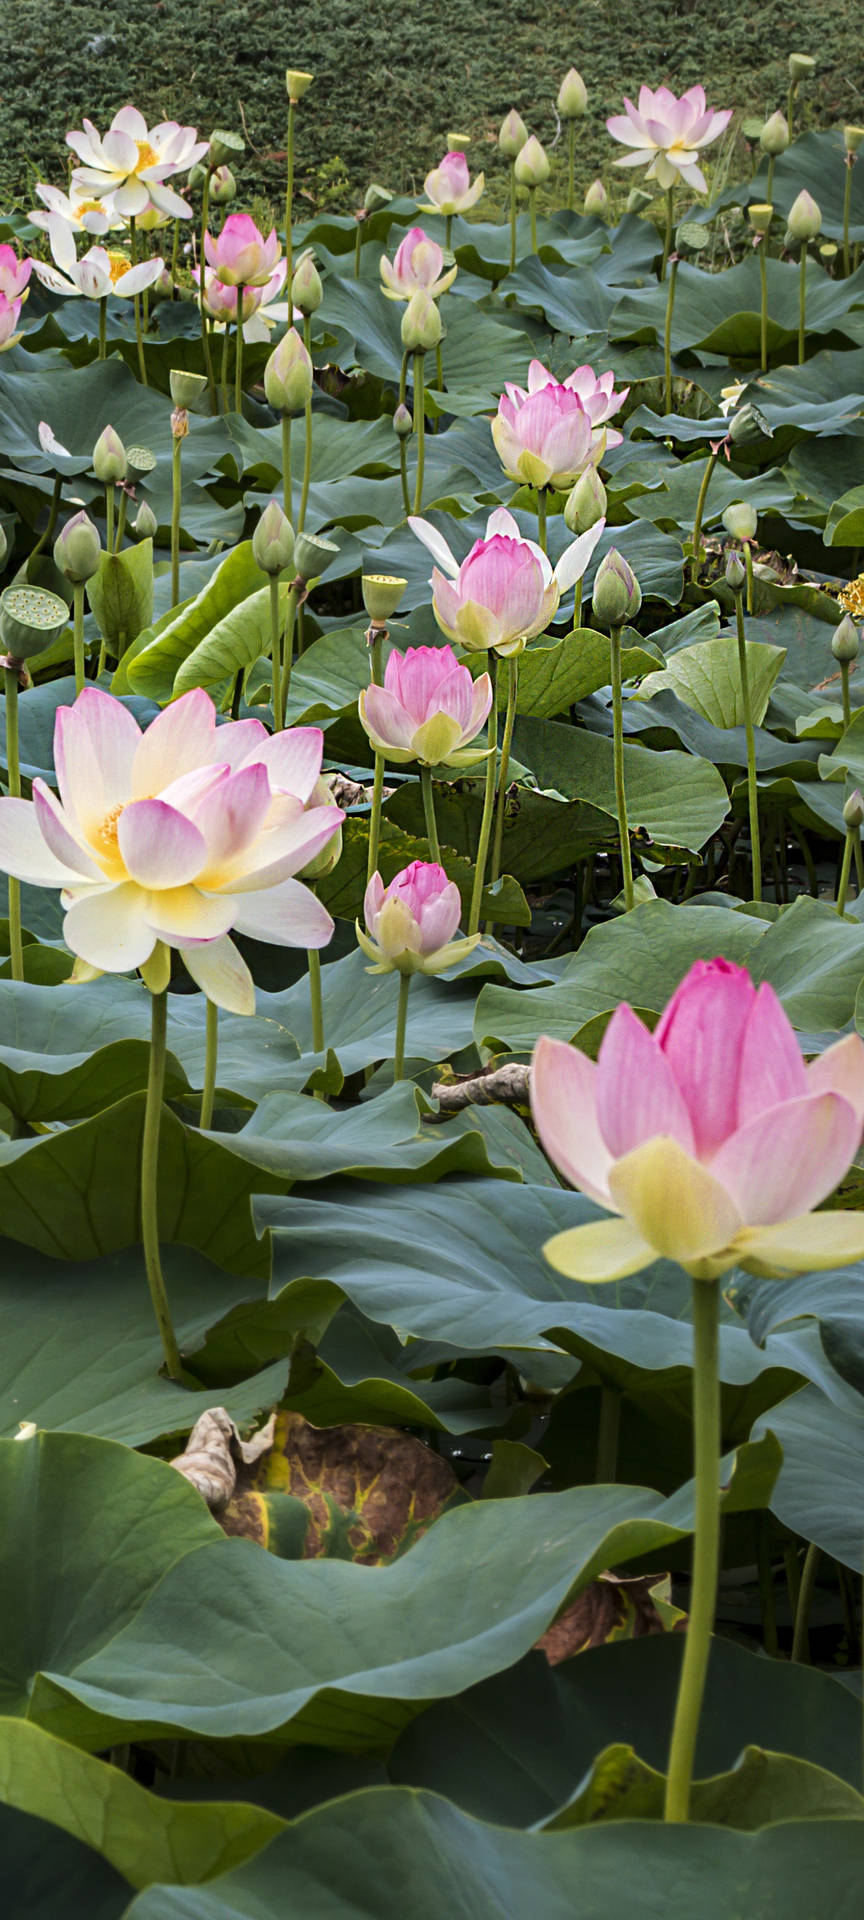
{"points": [[99, 271]]}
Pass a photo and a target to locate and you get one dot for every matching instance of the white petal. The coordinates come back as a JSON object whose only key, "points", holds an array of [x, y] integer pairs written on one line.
{"points": [[288, 915], [435, 542], [576, 557], [108, 927], [23, 852], [217, 968]]}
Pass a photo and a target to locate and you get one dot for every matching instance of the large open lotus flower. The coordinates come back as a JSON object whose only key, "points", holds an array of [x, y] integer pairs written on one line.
{"points": [[596, 391], [710, 1138], [240, 256], [428, 709], [667, 134], [178, 834], [100, 271], [448, 187], [133, 162], [10, 313], [545, 438], [416, 268], [81, 211], [220, 302], [412, 922], [506, 591]]}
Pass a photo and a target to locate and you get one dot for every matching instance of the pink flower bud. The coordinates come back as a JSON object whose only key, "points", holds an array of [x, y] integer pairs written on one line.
{"points": [[411, 923], [428, 709]]}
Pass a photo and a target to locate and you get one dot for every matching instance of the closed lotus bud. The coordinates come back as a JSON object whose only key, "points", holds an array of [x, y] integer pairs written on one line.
{"points": [[288, 376], [801, 65], [382, 593], [852, 138], [273, 540], [185, 387], [596, 199], [223, 186], [376, 198], [774, 138], [760, 216], [313, 555], [617, 594], [572, 96], [736, 572], [109, 457], [297, 83], [512, 134], [805, 217], [853, 812], [145, 525], [402, 421], [224, 147], [421, 324], [586, 502], [845, 643], [78, 549], [307, 292], [740, 520], [531, 165]]}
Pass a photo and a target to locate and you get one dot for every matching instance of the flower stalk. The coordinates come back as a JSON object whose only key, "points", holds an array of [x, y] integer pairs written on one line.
{"points": [[150, 1183], [136, 302], [667, 334], [211, 1054], [706, 1550], [735, 576], [506, 742], [618, 757], [429, 815], [13, 773], [419, 428], [401, 1024], [77, 637]]}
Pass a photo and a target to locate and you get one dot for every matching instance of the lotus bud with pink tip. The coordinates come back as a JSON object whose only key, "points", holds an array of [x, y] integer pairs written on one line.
{"points": [[449, 188], [240, 256], [416, 268], [411, 923], [428, 709], [506, 590], [666, 134], [14, 273], [710, 1140], [10, 313]]}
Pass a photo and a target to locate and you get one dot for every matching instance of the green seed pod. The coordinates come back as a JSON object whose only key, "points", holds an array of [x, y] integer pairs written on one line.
{"points": [[225, 147], [313, 555], [801, 65], [382, 593], [297, 83], [186, 388], [30, 621]]}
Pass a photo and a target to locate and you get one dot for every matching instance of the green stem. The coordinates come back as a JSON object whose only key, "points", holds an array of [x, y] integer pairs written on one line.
{"points": [[78, 634], [670, 222], [802, 305], [202, 267], [667, 338], [509, 718], [401, 1021], [316, 1000], [103, 328], [419, 429], [175, 255], [577, 604], [541, 519], [752, 790], [211, 1052], [790, 109], [488, 805], [532, 211], [289, 196], [512, 216], [376, 655], [288, 645], [150, 1183], [748, 568], [845, 870], [429, 815], [375, 817], [763, 305], [706, 1550], [608, 1428], [448, 228], [710, 464], [121, 520], [357, 245], [403, 472], [766, 1585], [618, 753], [136, 302], [13, 771], [287, 479], [224, 379], [800, 1637], [847, 698], [769, 190], [439, 369], [48, 531], [109, 516], [238, 353], [571, 162], [847, 209], [176, 499], [276, 654]]}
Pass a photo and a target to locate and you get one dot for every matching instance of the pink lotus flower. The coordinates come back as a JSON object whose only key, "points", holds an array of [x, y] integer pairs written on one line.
{"points": [[428, 709], [412, 922], [448, 187], [133, 162], [710, 1138], [10, 313], [667, 134], [506, 591], [595, 391], [545, 438], [14, 273], [220, 302], [240, 256], [417, 268], [178, 834]]}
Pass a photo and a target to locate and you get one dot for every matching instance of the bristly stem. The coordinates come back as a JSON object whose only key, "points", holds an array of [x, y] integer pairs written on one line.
{"points": [[800, 1635], [706, 1550], [307, 442], [429, 815], [276, 655], [289, 197], [211, 1054], [150, 1183], [77, 635], [763, 304], [202, 268], [288, 645], [618, 754], [512, 216], [419, 429], [401, 1022], [541, 519], [710, 464], [238, 353], [802, 304], [136, 302], [847, 209], [571, 162], [667, 335], [13, 773], [287, 481], [375, 817], [176, 502], [501, 808], [532, 210], [846, 869], [316, 999], [488, 804], [103, 327], [752, 789], [670, 221]]}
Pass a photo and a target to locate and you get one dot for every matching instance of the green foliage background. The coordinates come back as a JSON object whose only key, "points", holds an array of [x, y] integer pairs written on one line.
{"points": [[393, 76]]}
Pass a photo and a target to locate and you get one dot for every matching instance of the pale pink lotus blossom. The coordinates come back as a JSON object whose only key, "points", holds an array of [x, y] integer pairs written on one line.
{"points": [[416, 268], [178, 834], [133, 162], [10, 314], [220, 302], [239, 255], [545, 438], [14, 273], [81, 211], [596, 391], [100, 271], [428, 709], [411, 923], [506, 591], [448, 187], [667, 134], [709, 1139]]}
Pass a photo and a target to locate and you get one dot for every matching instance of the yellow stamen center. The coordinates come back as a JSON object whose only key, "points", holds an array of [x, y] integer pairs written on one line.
{"points": [[107, 832], [146, 155], [118, 264], [851, 598]]}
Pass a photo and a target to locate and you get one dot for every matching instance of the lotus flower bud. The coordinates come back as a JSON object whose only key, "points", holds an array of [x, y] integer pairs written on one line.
{"points": [[740, 520], [223, 186], [852, 138], [288, 376], [774, 138], [736, 572], [402, 421], [512, 134], [596, 199], [801, 65], [586, 502], [572, 96], [224, 146], [760, 216], [845, 642], [382, 593], [617, 594], [273, 540], [421, 324], [329, 857], [145, 525], [78, 549], [297, 84], [109, 457], [805, 217], [637, 200], [185, 387], [30, 621], [307, 292], [853, 812], [313, 555], [531, 165], [376, 198]]}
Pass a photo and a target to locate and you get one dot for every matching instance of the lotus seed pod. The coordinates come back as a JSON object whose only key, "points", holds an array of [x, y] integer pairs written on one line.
{"points": [[109, 457], [774, 138], [307, 292], [421, 324], [845, 642], [740, 520], [376, 198], [30, 621], [224, 147], [458, 142], [853, 812], [572, 96], [145, 525], [313, 555], [273, 540], [78, 549], [512, 134], [531, 165], [747, 428], [185, 387], [297, 83], [586, 502], [736, 572], [288, 376], [402, 421], [617, 595], [382, 593], [596, 199], [223, 186], [805, 217], [801, 65], [852, 138], [637, 200], [760, 216]]}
